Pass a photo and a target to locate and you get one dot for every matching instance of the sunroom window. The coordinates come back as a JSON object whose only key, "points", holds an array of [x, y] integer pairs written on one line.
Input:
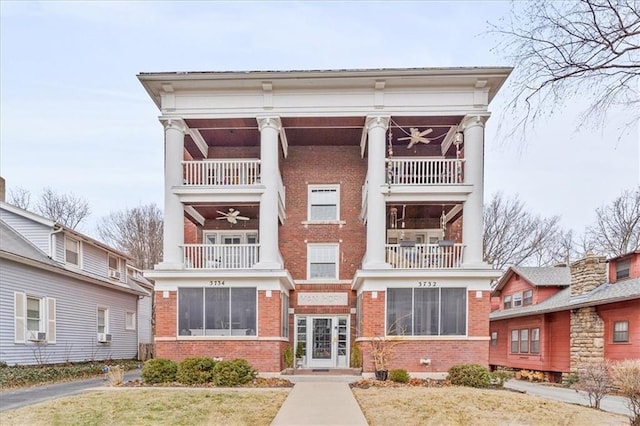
{"points": [[427, 311]]}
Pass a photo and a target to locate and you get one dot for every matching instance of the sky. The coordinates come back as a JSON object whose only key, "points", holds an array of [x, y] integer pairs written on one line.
{"points": [[73, 116]]}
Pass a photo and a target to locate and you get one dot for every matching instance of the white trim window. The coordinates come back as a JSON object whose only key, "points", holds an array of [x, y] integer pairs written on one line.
{"points": [[427, 311], [130, 321], [506, 301], [114, 266], [217, 311], [34, 318], [517, 300], [322, 261], [324, 203], [72, 249], [103, 320], [284, 297]]}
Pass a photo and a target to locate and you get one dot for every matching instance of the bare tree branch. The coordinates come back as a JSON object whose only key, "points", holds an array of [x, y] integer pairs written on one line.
{"points": [[617, 227], [137, 232], [514, 236], [20, 197], [65, 209], [563, 50]]}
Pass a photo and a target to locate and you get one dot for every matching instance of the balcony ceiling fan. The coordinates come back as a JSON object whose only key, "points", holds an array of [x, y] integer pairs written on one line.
{"points": [[416, 136], [233, 216]]}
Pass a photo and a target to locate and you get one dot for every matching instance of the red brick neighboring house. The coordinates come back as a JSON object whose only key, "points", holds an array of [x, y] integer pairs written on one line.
{"points": [[326, 209], [558, 319]]}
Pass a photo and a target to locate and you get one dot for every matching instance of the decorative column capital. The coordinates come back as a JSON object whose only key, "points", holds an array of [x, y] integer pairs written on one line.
{"points": [[473, 120], [173, 123], [273, 122], [381, 121]]}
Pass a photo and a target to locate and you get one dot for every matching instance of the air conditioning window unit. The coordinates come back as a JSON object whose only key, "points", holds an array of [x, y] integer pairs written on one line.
{"points": [[37, 336], [104, 338], [114, 274]]}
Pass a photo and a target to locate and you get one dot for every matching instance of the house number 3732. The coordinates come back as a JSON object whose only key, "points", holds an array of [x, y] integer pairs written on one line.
{"points": [[216, 283], [427, 284]]}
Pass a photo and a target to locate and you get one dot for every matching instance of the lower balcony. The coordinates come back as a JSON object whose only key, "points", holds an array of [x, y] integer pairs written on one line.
{"points": [[220, 256], [444, 255]]}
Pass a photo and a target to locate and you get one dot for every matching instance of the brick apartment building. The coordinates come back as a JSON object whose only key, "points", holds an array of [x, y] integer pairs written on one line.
{"points": [[329, 208]]}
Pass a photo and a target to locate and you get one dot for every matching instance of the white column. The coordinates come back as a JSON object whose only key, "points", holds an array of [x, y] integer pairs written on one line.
{"points": [[376, 208], [472, 210], [174, 130], [270, 257]]}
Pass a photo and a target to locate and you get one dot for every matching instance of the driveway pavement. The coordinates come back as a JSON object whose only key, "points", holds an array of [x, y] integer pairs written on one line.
{"points": [[10, 399], [610, 403]]}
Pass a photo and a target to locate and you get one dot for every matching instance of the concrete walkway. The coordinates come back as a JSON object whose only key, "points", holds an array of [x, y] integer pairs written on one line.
{"points": [[610, 403], [320, 401]]}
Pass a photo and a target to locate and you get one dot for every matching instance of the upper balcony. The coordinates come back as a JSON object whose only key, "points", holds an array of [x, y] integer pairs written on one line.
{"points": [[220, 256], [228, 172], [225, 180]]}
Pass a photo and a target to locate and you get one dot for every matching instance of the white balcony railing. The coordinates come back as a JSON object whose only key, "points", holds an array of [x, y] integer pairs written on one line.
{"points": [[220, 256], [221, 172], [424, 256], [424, 171]]}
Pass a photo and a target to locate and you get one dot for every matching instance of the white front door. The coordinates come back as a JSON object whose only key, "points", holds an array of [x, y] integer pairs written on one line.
{"points": [[326, 339]]}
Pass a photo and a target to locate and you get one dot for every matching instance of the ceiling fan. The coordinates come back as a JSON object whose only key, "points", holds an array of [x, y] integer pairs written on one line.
{"points": [[233, 216], [416, 136]]}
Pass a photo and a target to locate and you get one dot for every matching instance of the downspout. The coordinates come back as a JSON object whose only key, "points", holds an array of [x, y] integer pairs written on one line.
{"points": [[51, 238]]}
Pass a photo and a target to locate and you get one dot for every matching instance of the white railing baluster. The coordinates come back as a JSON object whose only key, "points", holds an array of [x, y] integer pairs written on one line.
{"points": [[424, 171], [220, 256], [424, 256], [221, 172]]}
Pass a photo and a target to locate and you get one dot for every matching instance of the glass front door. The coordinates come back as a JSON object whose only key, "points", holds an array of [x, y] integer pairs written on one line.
{"points": [[325, 341]]}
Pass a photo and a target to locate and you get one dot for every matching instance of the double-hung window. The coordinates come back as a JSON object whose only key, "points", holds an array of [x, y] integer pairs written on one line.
{"points": [[515, 341], [217, 311], [103, 321], [527, 298], [324, 203], [72, 251], [507, 302], [130, 321], [494, 338], [621, 331], [322, 261], [517, 300], [114, 267], [524, 341], [427, 311], [285, 314], [535, 341], [34, 318], [622, 269]]}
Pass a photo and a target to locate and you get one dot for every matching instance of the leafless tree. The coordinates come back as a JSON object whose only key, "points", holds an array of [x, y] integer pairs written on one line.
{"points": [[20, 197], [617, 227], [563, 50], [137, 232], [514, 236], [65, 209]]}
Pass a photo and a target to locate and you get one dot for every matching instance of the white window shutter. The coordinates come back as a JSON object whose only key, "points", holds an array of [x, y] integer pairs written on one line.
{"points": [[51, 320], [19, 317]]}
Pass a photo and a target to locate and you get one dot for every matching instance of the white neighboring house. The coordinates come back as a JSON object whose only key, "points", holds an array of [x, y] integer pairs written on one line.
{"points": [[65, 297]]}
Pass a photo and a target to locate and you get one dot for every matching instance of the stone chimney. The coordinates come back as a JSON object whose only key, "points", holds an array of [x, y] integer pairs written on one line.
{"points": [[587, 274]]}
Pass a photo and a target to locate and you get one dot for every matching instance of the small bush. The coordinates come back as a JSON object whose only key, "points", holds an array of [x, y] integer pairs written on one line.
{"points": [[499, 377], [472, 375], [288, 357], [233, 373], [356, 357], [195, 371], [569, 381], [626, 377], [399, 376], [159, 370]]}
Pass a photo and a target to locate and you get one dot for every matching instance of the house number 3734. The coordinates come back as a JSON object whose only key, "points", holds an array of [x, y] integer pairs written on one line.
{"points": [[216, 283], [427, 284]]}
